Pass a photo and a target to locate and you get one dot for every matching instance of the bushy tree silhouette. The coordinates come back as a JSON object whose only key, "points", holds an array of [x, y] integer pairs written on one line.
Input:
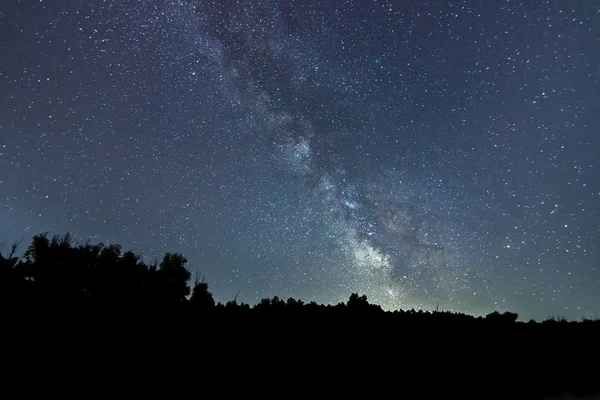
{"points": [[357, 302], [173, 277], [201, 297], [57, 270], [507, 317]]}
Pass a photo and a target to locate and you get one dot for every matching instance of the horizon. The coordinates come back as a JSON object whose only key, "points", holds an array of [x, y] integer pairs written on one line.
{"points": [[194, 276]]}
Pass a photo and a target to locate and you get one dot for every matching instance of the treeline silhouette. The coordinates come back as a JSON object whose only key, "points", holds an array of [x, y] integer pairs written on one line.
{"points": [[56, 271], [74, 282]]}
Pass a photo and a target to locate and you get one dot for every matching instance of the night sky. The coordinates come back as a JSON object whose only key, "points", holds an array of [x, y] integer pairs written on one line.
{"points": [[411, 151]]}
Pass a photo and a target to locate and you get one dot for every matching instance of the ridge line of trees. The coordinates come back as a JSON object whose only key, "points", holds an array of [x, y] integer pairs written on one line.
{"points": [[58, 271]]}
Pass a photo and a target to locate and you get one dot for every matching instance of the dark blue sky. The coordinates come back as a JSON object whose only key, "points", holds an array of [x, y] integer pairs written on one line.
{"points": [[415, 152]]}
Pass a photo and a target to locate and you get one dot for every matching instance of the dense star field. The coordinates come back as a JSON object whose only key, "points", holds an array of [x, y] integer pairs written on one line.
{"points": [[416, 152]]}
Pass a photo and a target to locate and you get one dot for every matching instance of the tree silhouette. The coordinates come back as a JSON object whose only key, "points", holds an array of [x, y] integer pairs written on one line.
{"points": [[357, 302], [174, 277], [507, 317], [201, 297]]}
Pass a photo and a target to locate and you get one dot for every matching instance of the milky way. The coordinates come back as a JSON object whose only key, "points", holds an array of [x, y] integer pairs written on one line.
{"points": [[418, 153]]}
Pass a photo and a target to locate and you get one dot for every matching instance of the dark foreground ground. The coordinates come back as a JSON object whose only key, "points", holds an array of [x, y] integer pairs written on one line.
{"points": [[210, 355]]}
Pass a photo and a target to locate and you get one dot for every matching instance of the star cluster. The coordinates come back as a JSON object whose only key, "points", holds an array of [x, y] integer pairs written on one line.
{"points": [[417, 153]]}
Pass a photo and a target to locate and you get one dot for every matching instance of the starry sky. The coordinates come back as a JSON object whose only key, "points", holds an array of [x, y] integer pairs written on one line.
{"points": [[413, 151]]}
